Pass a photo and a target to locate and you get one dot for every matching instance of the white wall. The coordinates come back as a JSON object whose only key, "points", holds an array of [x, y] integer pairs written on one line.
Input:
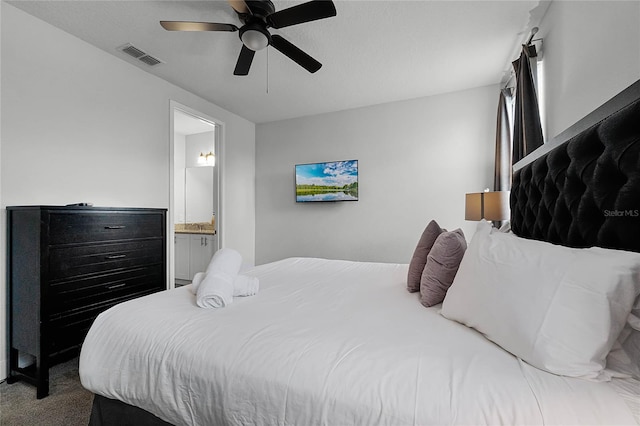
{"points": [[416, 160], [79, 125], [196, 144], [179, 163], [591, 52]]}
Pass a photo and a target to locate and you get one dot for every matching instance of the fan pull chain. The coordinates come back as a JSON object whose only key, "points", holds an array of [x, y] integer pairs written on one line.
{"points": [[268, 71]]}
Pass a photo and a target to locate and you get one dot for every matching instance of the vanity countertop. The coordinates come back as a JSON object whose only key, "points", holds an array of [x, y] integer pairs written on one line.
{"points": [[203, 228], [202, 231]]}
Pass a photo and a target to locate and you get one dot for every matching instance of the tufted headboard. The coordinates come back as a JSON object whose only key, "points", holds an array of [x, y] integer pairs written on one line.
{"points": [[585, 190]]}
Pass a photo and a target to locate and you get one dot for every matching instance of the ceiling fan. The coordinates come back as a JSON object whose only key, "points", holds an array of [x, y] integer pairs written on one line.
{"points": [[258, 16]]}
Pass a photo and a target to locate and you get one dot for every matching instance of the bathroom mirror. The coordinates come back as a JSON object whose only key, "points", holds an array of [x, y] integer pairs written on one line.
{"points": [[199, 194]]}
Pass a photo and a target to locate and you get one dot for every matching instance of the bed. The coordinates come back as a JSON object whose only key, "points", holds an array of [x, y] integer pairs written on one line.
{"points": [[343, 343]]}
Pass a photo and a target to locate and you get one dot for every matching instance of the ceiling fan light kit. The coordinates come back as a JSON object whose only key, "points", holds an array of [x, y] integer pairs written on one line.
{"points": [[255, 37], [258, 16]]}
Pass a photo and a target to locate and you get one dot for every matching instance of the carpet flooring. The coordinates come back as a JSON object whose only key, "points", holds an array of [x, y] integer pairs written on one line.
{"points": [[68, 403]]}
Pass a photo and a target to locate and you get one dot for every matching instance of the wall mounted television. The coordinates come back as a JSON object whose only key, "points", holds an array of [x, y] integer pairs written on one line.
{"points": [[329, 181]]}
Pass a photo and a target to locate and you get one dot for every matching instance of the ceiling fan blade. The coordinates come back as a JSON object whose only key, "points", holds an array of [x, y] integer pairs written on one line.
{"points": [[295, 54], [240, 6], [305, 12], [244, 61], [196, 26]]}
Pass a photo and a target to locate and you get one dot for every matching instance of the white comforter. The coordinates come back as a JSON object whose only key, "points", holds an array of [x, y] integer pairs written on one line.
{"points": [[324, 342]]}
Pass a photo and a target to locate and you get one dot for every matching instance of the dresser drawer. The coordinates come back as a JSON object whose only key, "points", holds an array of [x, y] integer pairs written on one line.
{"points": [[86, 226], [73, 261], [95, 290], [70, 329], [66, 336]]}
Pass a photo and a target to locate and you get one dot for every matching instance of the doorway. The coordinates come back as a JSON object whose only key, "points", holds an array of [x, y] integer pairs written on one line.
{"points": [[194, 214]]}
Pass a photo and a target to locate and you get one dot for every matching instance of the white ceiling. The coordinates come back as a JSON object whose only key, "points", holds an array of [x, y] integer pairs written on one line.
{"points": [[372, 52]]}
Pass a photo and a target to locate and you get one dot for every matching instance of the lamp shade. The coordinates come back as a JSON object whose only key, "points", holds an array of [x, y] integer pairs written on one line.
{"points": [[473, 206], [487, 205], [496, 205]]}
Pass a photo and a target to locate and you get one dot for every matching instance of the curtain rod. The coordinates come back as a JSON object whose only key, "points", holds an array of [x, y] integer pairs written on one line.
{"points": [[512, 73], [534, 30]]}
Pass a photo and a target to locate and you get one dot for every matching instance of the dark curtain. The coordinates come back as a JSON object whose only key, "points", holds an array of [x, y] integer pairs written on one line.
{"points": [[527, 130], [502, 174]]}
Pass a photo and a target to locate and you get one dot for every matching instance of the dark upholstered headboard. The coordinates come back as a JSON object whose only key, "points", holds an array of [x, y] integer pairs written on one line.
{"points": [[583, 188]]}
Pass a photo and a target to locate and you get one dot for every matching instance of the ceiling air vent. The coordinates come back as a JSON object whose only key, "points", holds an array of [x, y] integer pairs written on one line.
{"points": [[139, 54], [150, 60]]}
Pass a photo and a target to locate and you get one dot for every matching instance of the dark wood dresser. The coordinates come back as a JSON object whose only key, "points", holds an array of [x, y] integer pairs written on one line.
{"points": [[67, 264]]}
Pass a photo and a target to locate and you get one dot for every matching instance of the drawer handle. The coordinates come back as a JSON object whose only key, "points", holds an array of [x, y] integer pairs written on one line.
{"points": [[116, 256], [114, 227], [114, 286]]}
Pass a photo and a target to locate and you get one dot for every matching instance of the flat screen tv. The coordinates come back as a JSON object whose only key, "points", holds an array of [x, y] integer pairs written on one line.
{"points": [[330, 181]]}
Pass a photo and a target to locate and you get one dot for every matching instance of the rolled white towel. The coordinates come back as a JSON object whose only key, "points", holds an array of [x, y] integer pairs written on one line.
{"points": [[197, 279], [243, 285], [225, 260], [216, 287], [215, 290]]}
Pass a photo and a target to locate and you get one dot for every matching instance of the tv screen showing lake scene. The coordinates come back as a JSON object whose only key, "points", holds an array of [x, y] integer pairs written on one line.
{"points": [[331, 181]]}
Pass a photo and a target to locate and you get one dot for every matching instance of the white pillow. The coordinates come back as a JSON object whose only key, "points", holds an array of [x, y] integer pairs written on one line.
{"points": [[624, 358], [559, 309]]}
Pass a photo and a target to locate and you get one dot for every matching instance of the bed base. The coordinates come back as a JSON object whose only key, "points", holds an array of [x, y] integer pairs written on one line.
{"points": [[109, 412]]}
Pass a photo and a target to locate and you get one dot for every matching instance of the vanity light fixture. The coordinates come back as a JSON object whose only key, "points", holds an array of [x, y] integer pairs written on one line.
{"points": [[208, 159]]}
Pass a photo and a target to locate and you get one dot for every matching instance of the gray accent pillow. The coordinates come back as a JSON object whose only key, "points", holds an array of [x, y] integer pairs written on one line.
{"points": [[419, 258], [443, 262]]}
